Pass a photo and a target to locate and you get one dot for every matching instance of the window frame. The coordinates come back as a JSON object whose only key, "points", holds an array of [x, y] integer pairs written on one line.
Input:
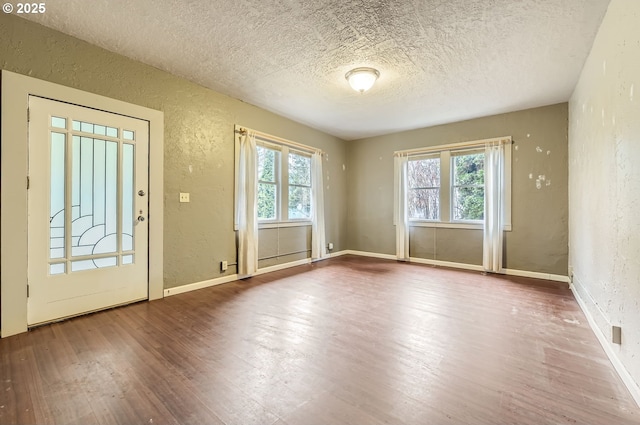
{"points": [[283, 146], [276, 179], [452, 186], [285, 202], [439, 187], [446, 153]]}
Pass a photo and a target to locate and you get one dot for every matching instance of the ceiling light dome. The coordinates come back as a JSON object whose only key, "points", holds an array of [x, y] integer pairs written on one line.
{"points": [[362, 79]]}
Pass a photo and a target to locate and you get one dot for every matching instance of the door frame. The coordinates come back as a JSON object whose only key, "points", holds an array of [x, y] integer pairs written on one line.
{"points": [[14, 151]]}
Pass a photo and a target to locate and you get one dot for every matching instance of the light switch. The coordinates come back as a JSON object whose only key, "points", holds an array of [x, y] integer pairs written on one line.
{"points": [[184, 197]]}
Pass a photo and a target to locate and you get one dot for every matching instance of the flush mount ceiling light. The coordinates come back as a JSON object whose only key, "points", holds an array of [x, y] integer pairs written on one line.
{"points": [[362, 79]]}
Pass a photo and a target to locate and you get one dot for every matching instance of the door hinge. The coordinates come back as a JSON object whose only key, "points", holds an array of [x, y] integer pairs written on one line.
{"points": [[27, 291], [28, 114], [28, 182]]}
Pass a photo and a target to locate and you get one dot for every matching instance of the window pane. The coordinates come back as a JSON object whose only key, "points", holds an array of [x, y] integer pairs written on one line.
{"points": [[424, 173], [468, 203], [266, 164], [424, 204], [127, 196], [112, 132], [267, 201], [86, 127], [468, 169], [299, 170], [58, 122], [100, 129], [57, 196], [57, 268], [81, 265], [94, 193], [299, 202], [467, 195]]}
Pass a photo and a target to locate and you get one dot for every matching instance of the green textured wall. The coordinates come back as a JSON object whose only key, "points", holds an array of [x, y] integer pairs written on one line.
{"points": [[199, 159], [538, 241], [199, 142]]}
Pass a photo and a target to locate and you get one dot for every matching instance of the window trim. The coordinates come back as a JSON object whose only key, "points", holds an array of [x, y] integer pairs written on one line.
{"points": [[282, 224], [279, 144], [446, 151]]}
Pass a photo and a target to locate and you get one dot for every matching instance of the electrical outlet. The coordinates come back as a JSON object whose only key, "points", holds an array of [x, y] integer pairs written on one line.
{"points": [[570, 274], [223, 265], [184, 197], [616, 334], [330, 246]]}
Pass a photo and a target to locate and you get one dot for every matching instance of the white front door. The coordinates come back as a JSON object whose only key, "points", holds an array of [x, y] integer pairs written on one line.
{"points": [[88, 203]]}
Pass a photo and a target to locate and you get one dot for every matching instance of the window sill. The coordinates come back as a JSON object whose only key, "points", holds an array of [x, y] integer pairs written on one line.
{"points": [[452, 225], [279, 224]]}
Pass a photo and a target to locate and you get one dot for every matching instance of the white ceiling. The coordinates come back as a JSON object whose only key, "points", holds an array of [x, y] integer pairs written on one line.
{"points": [[440, 60]]}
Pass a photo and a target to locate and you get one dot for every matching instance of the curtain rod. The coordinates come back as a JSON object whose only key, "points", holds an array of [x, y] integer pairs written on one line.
{"points": [[451, 146], [269, 138]]}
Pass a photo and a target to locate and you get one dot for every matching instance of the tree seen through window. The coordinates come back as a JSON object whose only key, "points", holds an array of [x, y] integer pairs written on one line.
{"points": [[468, 187], [281, 197]]}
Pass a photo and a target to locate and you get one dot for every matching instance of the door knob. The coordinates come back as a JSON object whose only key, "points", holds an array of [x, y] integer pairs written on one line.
{"points": [[141, 192], [140, 218]]}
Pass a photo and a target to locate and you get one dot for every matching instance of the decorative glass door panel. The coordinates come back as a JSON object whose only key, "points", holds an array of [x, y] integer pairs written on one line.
{"points": [[94, 195], [88, 170]]}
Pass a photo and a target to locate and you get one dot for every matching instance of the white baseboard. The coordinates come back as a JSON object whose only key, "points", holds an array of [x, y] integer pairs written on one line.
{"points": [[282, 266], [199, 285], [537, 275], [338, 253], [627, 379], [371, 254], [230, 278], [463, 266]]}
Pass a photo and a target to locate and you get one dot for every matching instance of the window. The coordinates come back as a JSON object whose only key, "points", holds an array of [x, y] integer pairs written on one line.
{"points": [[284, 192], [467, 186], [268, 160], [299, 186], [423, 192], [446, 188]]}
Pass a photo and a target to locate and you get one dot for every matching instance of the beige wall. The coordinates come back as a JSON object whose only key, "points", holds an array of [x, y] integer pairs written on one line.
{"points": [[604, 185], [538, 241], [199, 142]]}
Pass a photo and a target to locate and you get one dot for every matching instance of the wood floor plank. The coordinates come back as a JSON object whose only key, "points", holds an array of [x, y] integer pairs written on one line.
{"points": [[113, 390], [347, 340], [20, 385]]}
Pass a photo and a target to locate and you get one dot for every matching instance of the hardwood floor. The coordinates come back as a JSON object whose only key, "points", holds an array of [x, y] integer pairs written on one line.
{"points": [[349, 340]]}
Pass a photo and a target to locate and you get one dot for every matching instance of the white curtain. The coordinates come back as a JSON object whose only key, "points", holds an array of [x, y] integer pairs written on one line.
{"points": [[318, 241], [400, 213], [247, 208], [493, 207]]}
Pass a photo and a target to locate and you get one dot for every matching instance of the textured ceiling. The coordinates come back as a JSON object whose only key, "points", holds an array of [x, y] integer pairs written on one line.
{"points": [[440, 60]]}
